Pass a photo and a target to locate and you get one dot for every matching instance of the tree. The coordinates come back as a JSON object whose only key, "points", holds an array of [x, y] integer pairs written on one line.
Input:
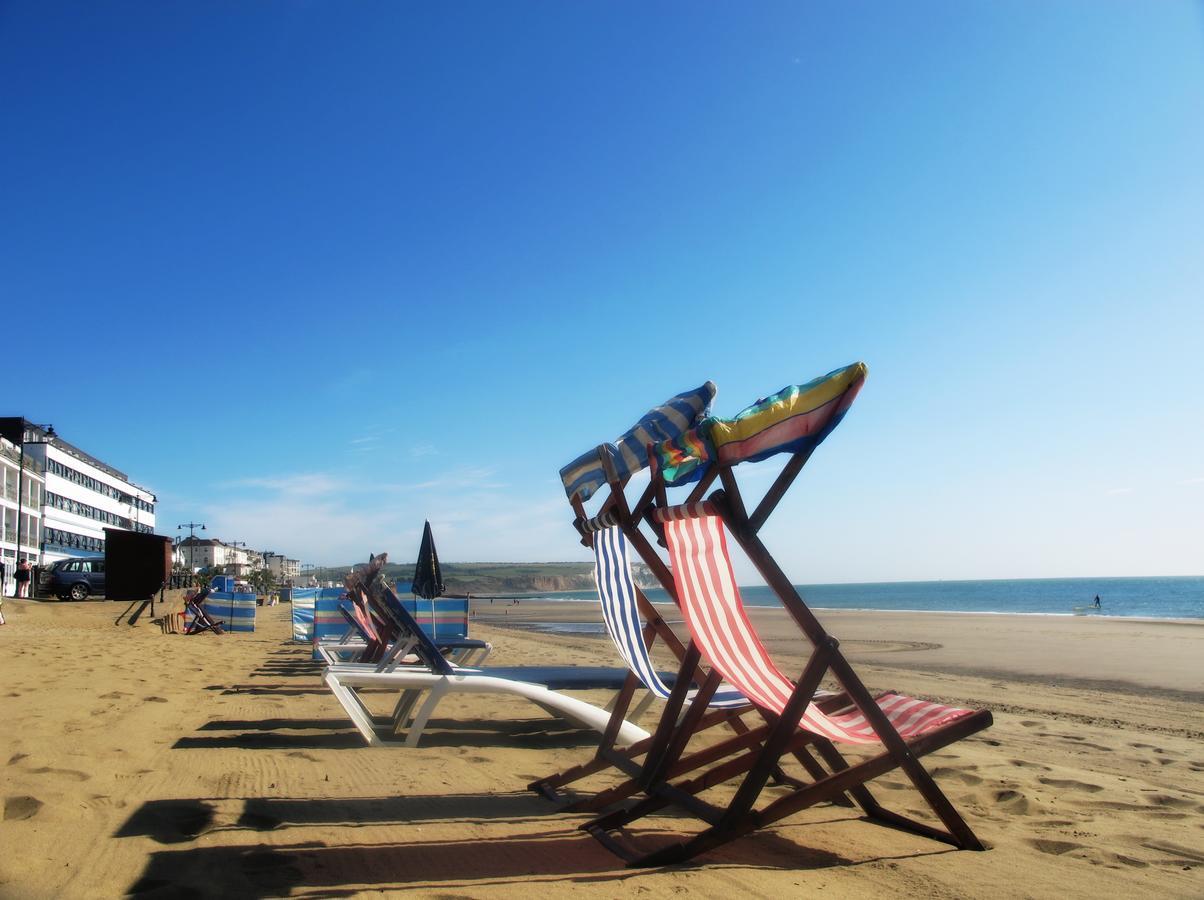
{"points": [[263, 580]]}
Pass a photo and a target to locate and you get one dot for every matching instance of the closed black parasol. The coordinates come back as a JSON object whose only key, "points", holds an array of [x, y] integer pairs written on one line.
{"points": [[428, 579]]}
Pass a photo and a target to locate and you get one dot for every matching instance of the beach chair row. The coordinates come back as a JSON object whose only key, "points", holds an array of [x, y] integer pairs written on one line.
{"points": [[780, 729]]}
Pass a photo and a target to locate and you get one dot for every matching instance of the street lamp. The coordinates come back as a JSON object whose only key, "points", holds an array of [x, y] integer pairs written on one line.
{"points": [[236, 545], [48, 438], [192, 527]]}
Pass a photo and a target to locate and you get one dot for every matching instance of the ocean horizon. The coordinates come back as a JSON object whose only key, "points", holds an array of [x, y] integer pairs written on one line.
{"points": [[1160, 597]]}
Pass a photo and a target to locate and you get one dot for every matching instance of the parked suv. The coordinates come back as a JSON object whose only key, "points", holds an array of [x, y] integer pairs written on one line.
{"points": [[77, 577]]}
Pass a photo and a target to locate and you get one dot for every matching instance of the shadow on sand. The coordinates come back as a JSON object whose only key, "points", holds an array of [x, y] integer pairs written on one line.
{"points": [[550, 854]]}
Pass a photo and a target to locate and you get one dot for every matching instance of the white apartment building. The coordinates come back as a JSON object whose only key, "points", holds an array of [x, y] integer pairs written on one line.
{"points": [[282, 568], [80, 495], [206, 553], [20, 501]]}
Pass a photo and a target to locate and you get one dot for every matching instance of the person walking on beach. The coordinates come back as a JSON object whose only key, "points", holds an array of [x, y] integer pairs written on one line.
{"points": [[22, 577], [1097, 603]]}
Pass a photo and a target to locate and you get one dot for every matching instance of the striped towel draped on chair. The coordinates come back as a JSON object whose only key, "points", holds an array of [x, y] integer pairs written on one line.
{"points": [[797, 418], [584, 475]]}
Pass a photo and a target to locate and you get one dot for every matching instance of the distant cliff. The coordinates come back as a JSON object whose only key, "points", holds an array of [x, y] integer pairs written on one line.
{"points": [[509, 578]]}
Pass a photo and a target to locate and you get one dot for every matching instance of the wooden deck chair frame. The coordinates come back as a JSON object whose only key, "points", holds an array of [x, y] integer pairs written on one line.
{"points": [[201, 620], [755, 765], [615, 513]]}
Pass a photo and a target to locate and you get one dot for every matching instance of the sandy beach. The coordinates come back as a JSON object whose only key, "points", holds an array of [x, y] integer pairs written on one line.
{"points": [[139, 763]]}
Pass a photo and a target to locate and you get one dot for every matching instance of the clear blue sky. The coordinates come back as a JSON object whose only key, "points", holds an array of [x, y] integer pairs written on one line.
{"points": [[313, 272]]}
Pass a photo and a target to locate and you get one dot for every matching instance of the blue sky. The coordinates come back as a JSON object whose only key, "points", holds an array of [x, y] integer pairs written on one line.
{"points": [[316, 272]]}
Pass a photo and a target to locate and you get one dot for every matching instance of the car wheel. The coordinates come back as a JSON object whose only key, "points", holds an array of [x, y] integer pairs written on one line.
{"points": [[79, 592]]}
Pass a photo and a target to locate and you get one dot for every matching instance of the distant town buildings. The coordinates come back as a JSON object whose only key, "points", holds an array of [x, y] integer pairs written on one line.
{"points": [[282, 567], [199, 553], [56, 500]]}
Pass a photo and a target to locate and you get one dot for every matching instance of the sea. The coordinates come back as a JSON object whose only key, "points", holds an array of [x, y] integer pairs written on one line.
{"points": [[1180, 597]]}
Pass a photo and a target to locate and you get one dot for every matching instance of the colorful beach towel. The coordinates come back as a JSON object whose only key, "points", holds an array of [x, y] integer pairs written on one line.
{"points": [[584, 475], [796, 418]]}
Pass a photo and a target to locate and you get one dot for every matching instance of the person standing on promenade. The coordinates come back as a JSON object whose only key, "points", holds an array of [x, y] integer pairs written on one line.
{"points": [[22, 576]]}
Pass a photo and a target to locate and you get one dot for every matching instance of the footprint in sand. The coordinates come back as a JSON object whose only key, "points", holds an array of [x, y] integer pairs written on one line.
{"points": [[1013, 802], [155, 699], [1068, 784], [1180, 855], [73, 774], [16, 758], [21, 807], [1055, 848], [1025, 764], [104, 801], [113, 695], [1166, 800], [961, 775]]}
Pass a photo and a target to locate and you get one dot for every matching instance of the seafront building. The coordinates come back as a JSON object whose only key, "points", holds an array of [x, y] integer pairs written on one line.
{"points": [[196, 553], [206, 553], [283, 568], [67, 497], [21, 487]]}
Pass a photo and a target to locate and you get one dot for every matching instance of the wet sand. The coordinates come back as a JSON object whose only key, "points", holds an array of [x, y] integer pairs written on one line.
{"points": [[133, 762]]}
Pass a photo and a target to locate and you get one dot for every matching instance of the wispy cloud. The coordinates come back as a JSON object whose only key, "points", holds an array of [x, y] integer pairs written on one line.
{"points": [[332, 518], [305, 484]]}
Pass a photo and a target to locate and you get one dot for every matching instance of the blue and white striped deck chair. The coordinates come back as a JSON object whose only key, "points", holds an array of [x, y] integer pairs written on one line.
{"points": [[619, 597], [616, 591]]}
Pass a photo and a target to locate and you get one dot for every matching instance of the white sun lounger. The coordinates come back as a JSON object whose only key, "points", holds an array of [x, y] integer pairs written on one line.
{"points": [[434, 676]]}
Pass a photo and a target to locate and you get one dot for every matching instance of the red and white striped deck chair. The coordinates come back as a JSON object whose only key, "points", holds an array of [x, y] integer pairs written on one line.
{"points": [[902, 729]]}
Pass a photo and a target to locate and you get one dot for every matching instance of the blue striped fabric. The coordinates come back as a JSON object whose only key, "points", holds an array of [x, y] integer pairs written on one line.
{"points": [[584, 475], [616, 591], [449, 620], [329, 624], [303, 613], [237, 611]]}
